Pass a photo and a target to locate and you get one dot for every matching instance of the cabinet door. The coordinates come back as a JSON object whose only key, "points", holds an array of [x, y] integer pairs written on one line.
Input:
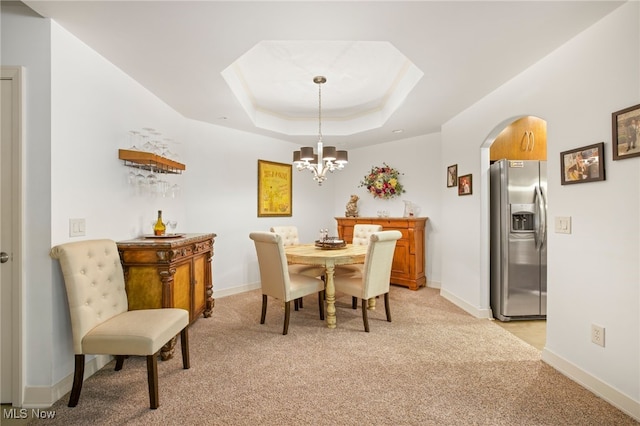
{"points": [[144, 288], [181, 297], [199, 284], [401, 261], [524, 139]]}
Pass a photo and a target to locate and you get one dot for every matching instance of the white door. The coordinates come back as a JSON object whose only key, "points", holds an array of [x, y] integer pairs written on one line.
{"points": [[10, 92]]}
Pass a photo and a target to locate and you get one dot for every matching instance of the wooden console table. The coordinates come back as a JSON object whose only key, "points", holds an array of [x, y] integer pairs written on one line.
{"points": [[169, 273], [408, 267]]}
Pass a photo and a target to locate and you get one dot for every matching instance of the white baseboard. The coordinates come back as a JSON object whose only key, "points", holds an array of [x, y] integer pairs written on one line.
{"points": [[433, 284], [473, 310], [595, 385], [235, 290], [46, 396]]}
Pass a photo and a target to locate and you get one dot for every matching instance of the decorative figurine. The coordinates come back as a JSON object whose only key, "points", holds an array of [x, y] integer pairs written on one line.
{"points": [[352, 206]]}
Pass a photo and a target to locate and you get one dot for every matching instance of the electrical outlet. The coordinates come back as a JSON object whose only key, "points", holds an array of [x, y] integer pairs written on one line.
{"points": [[597, 335]]}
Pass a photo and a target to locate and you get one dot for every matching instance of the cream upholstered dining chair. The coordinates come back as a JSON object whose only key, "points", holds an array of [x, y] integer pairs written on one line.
{"points": [[276, 280], [100, 320], [376, 273], [361, 235], [290, 237], [289, 234]]}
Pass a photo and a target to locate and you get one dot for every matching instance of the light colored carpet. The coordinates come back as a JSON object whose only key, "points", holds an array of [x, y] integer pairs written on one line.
{"points": [[433, 365]]}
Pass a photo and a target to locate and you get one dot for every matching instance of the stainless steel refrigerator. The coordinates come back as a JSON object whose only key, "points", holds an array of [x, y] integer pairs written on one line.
{"points": [[518, 239]]}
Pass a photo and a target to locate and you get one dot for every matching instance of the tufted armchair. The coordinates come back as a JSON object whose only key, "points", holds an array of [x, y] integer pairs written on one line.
{"points": [[276, 280], [100, 320], [375, 273]]}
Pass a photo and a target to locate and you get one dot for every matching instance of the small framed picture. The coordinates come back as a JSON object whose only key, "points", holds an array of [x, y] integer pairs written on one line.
{"points": [[581, 165], [452, 176], [625, 125], [465, 185]]}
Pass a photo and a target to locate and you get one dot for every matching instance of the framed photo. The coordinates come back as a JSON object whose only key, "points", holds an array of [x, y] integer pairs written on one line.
{"points": [[452, 176], [274, 189], [465, 185], [625, 125], [584, 164]]}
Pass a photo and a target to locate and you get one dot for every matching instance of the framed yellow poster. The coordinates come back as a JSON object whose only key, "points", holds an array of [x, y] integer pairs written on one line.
{"points": [[274, 189]]}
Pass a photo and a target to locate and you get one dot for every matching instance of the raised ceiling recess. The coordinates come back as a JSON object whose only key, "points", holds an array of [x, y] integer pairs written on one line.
{"points": [[366, 82]]}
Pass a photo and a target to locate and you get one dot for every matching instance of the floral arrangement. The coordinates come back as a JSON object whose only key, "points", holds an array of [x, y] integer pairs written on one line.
{"points": [[382, 182]]}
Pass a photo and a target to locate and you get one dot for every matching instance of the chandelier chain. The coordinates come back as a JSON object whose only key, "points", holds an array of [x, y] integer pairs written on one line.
{"points": [[320, 111]]}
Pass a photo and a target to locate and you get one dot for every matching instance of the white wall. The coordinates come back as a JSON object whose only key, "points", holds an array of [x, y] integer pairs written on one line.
{"points": [[419, 160], [25, 41], [593, 274], [222, 193], [94, 105]]}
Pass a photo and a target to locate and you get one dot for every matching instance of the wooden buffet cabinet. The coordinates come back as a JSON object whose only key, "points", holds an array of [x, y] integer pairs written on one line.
{"points": [[408, 267], [169, 273]]}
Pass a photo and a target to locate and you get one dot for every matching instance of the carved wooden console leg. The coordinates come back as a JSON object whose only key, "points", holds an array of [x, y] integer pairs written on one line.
{"points": [[210, 302], [166, 352]]}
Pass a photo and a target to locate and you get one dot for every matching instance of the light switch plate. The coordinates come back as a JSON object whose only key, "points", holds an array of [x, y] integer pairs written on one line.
{"points": [[563, 225], [76, 227]]}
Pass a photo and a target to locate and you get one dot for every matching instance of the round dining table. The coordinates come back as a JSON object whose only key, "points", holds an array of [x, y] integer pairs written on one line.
{"points": [[309, 254]]}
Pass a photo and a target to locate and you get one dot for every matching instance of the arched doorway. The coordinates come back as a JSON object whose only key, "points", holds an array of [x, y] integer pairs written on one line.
{"points": [[517, 138]]}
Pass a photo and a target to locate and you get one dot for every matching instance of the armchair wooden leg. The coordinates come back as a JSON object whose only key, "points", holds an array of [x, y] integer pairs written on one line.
{"points": [[364, 315], [296, 303], [152, 377], [354, 302], [287, 314], [387, 308], [300, 304], [184, 344], [321, 304], [264, 308], [78, 377], [119, 362]]}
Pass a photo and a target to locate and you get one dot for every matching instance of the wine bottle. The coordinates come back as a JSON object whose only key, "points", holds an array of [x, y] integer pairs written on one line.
{"points": [[159, 228]]}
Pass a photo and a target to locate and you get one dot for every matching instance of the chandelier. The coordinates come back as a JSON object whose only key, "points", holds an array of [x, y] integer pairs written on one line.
{"points": [[327, 158]]}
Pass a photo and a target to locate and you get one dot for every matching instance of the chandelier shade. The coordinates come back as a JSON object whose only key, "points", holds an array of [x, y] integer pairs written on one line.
{"points": [[325, 159]]}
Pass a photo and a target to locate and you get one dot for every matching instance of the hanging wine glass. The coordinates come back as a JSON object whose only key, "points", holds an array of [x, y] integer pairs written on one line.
{"points": [[162, 184], [141, 183], [175, 190], [132, 181], [147, 146], [152, 183], [133, 140]]}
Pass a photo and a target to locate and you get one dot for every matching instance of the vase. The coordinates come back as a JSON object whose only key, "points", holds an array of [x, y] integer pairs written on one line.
{"points": [[408, 208]]}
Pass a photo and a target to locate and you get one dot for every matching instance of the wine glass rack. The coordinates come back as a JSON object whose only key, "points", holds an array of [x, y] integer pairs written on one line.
{"points": [[150, 162]]}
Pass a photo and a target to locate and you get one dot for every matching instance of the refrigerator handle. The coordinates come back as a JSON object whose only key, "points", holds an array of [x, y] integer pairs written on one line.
{"points": [[541, 231]]}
